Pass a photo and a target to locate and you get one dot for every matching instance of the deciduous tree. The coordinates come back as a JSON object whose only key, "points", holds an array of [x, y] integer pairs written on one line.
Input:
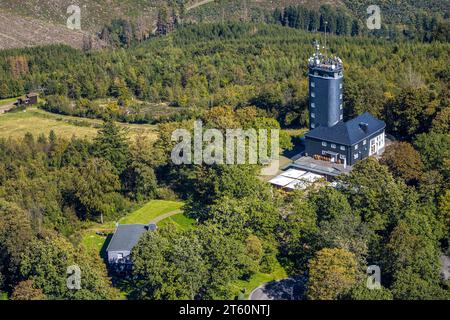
{"points": [[331, 273], [403, 161]]}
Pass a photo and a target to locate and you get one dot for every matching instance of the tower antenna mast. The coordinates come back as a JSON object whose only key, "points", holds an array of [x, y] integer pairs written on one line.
{"points": [[325, 46]]}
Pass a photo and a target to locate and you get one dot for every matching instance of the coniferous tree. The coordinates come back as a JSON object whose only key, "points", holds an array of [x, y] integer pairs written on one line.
{"points": [[111, 144], [162, 23]]}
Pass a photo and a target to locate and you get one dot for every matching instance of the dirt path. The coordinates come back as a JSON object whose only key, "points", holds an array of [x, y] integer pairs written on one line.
{"points": [[198, 4], [6, 107]]}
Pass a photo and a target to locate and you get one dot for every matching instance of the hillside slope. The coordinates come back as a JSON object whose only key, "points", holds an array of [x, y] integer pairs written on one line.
{"points": [[44, 21], [94, 13], [17, 32], [26, 23]]}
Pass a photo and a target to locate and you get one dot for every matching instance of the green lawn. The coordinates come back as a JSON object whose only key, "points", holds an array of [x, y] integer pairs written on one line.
{"points": [[3, 296], [258, 279], [180, 220], [154, 209], [96, 243], [151, 211]]}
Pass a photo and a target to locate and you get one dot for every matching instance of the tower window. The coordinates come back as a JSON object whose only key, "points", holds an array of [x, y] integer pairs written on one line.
{"points": [[356, 156], [313, 105], [342, 156], [356, 147], [324, 144], [342, 148], [341, 117], [340, 96], [313, 85], [313, 94], [340, 86], [364, 142], [313, 125], [313, 115], [333, 146], [340, 107]]}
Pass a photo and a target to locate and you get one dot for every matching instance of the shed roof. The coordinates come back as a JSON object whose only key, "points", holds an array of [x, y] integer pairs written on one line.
{"points": [[350, 132]]}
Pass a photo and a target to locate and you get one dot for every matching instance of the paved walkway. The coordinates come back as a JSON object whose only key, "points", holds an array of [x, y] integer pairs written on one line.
{"points": [[166, 215], [287, 289]]}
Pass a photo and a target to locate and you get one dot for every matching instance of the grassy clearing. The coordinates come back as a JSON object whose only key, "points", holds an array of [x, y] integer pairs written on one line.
{"points": [[3, 296], [258, 279], [16, 125], [181, 221], [151, 211], [94, 242], [38, 121]]}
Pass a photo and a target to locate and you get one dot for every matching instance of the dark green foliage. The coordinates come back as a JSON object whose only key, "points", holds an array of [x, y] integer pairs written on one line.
{"points": [[187, 265], [15, 235], [46, 260], [198, 66], [410, 113], [410, 24], [435, 151], [346, 232], [330, 204], [93, 189], [111, 144], [120, 33], [361, 292], [374, 194]]}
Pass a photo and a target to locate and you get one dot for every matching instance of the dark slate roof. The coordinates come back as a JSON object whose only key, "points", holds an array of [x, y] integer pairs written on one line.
{"points": [[350, 132], [127, 236]]}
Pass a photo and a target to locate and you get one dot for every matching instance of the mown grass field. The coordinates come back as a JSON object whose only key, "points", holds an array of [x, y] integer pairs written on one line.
{"points": [[180, 220], [151, 211], [36, 121]]}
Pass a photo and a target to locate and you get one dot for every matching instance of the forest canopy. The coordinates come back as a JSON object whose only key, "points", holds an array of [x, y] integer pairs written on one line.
{"points": [[392, 212]]}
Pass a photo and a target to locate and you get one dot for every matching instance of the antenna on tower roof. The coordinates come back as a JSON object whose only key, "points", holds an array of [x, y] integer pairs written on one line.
{"points": [[317, 47], [325, 45]]}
